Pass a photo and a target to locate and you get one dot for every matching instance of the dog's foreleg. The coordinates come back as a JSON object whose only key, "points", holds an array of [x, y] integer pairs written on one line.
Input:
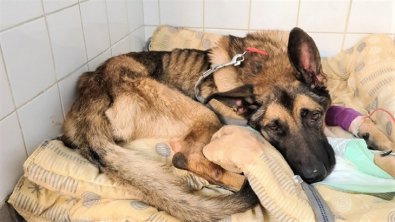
{"points": [[374, 138], [360, 126], [190, 156], [387, 163]]}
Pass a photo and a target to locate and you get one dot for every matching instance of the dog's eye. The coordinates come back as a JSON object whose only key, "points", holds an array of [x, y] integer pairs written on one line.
{"points": [[273, 127], [315, 116]]}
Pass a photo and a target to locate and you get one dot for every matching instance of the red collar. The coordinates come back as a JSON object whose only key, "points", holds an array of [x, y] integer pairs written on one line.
{"points": [[250, 49]]}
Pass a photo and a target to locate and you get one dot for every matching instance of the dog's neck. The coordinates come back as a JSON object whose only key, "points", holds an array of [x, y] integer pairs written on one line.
{"points": [[225, 77]]}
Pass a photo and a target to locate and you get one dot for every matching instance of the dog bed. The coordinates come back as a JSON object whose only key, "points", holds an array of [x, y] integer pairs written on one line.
{"points": [[60, 185]]}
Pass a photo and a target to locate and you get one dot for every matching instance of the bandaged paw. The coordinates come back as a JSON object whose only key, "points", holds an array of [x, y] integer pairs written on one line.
{"points": [[233, 147]]}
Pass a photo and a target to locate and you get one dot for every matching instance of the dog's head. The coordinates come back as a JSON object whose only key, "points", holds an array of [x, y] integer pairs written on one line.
{"points": [[284, 97]]}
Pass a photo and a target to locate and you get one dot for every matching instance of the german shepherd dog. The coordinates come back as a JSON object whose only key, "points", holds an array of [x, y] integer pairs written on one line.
{"points": [[151, 95]]}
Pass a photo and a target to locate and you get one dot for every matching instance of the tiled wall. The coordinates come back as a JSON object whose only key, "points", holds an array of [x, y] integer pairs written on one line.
{"points": [[334, 24], [44, 46]]}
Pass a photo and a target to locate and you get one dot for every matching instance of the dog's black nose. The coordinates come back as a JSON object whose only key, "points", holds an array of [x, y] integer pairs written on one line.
{"points": [[314, 174]]}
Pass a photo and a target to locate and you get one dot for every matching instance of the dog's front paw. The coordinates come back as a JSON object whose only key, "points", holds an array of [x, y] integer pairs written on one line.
{"points": [[233, 147], [374, 138]]}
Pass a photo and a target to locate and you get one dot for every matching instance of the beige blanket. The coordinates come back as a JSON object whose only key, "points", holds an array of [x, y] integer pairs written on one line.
{"points": [[60, 185]]}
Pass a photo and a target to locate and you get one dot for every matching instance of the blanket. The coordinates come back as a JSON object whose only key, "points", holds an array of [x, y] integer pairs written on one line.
{"points": [[60, 185]]}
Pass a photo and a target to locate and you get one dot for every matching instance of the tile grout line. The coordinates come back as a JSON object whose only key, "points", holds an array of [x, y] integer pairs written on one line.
{"points": [[297, 14], [9, 85], [36, 96], [83, 33], [137, 28], [122, 38], [159, 20], [127, 20], [130, 37], [346, 26], [143, 20], [127, 16], [109, 30], [249, 17], [86, 57], [53, 62], [204, 13], [13, 101]]}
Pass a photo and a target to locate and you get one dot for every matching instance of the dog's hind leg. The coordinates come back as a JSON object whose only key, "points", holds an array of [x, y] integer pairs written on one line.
{"points": [[89, 127]]}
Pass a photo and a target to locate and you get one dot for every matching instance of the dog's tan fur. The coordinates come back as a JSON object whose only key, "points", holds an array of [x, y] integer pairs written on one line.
{"points": [[387, 163], [148, 95]]}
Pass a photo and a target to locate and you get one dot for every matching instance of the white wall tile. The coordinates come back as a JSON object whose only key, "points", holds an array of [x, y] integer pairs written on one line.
{"points": [[137, 40], [13, 12], [269, 14], [352, 39], [94, 63], [186, 13], [118, 20], [95, 25], [328, 44], [6, 101], [323, 15], [53, 5], [41, 119], [149, 30], [151, 12], [27, 55], [135, 14], [121, 47], [67, 40], [238, 33], [369, 16], [68, 88], [12, 154], [228, 14]]}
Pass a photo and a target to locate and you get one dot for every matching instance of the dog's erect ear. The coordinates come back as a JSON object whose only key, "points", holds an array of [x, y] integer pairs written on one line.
{"points": [[305, 57], [241, 99]]}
